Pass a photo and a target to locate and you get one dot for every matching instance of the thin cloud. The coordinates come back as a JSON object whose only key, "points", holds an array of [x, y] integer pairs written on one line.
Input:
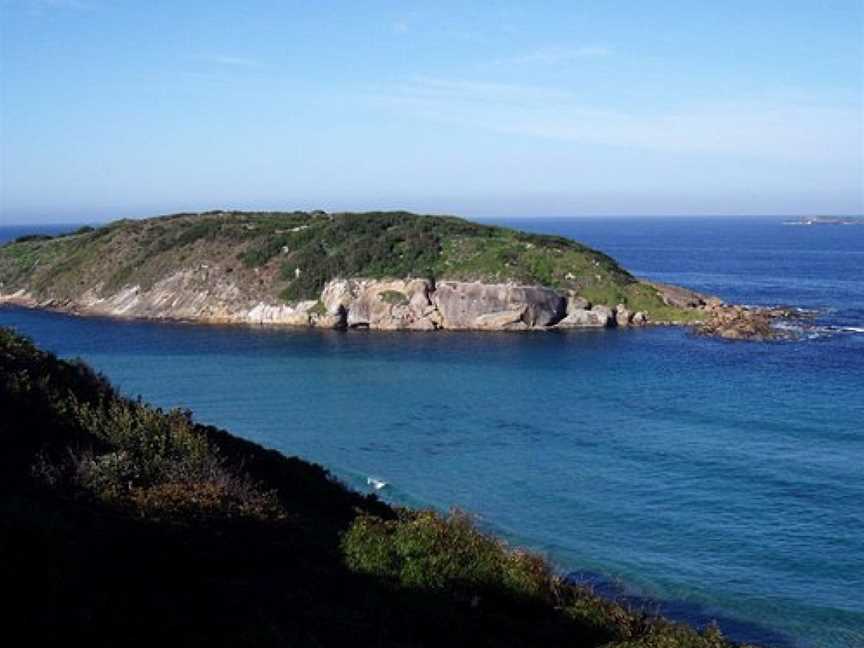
{"points": [[778, 129], [233, 61], [558, 55]]}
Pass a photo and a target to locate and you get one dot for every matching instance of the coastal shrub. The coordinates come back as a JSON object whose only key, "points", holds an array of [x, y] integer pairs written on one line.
{"points": [[124, 452], [424, 550], [161, 461], [659, 633], [397, 244], [27, 238], [216, 498], [159, 445], [158, 463], [84, 229], [601, 616], [204, 229]]}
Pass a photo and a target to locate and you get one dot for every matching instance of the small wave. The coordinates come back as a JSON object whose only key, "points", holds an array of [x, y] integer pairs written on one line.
{"points": [[814, 332], [376, 483]]}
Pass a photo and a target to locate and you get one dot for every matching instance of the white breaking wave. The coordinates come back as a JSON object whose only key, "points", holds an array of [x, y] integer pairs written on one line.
{"points": [[813, 332], [376, 483]]}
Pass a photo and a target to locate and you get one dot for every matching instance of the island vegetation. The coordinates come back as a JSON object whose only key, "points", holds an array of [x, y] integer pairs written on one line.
{"points": [[123, 523], [289, 257]]}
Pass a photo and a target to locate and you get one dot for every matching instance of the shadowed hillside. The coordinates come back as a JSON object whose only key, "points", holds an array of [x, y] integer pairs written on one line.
{"points": [[124, 524]]}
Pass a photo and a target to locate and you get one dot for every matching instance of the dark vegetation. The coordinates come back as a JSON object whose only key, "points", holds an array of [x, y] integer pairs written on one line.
{"points": [[28, 238], [123, 525]]}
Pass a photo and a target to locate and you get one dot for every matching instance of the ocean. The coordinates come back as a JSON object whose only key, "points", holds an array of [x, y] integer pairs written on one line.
{"points": [[703, 478]]}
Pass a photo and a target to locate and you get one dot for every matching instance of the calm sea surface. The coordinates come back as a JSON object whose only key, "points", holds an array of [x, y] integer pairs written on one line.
{"points": [[716, 479]]}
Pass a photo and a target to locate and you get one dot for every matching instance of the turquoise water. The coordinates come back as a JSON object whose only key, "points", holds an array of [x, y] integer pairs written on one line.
{"points": [[719, 480]]}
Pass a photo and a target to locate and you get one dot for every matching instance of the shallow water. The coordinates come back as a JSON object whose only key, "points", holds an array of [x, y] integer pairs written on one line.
{"points": [[723, 480]]}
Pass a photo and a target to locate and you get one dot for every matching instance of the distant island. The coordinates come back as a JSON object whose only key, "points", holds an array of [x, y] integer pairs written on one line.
{"points": [[826, 220], [378, 270], [121, 518]]}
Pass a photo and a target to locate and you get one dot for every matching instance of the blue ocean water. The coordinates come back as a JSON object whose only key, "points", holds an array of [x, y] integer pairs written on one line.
{"points": [[715, 479]]}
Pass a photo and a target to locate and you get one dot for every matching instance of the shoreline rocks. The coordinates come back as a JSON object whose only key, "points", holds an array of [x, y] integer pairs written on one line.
{"points": [[745, 323], [408, 304]]}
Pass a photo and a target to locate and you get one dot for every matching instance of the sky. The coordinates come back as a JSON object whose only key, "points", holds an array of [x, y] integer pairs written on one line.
{"points": [[114, 109]]}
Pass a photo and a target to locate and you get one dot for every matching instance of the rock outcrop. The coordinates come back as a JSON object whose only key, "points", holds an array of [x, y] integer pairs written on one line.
{"points": [[744, 323], [496, 306], [596, 317], [402, 304], [685, 298], [380, 304]]}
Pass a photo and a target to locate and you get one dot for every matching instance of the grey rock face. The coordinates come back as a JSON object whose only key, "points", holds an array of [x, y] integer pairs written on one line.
{"points": [[622, 315], [682, 297], [464, 305], [382, 304], [597, 317], [575, 302], [639, 319]]}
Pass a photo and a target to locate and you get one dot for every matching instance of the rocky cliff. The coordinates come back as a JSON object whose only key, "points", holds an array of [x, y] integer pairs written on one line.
{"points": [[388, 271], [383, 304]]}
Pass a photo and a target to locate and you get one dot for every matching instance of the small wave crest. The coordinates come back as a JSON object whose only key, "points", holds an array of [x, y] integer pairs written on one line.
{"points": [[803, 330], [376, 483]]}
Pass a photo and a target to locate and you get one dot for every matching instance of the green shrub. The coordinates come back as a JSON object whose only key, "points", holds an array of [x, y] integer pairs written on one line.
{"points": [[658, 633], [426, 551], [27, 238], [186, 501], [124, 452]]}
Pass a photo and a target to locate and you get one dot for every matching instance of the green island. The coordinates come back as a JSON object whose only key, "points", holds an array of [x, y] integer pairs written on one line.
{"points": [[123, 523], [391, 270]]}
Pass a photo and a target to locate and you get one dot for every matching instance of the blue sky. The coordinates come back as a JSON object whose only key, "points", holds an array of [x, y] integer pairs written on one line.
{"points": [[480, 109]]}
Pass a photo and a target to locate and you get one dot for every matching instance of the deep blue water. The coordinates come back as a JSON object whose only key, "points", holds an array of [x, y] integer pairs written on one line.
{"points": [[720, 480]]}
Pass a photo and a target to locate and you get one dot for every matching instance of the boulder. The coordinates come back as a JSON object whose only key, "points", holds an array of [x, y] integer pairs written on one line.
{"points": [[623, 315], [597, 317], [336, 320], [465, 305], [639, 319], [738, 323], [682, 297], [338, 295], [502, 321], [575, 302], [382, 304]]}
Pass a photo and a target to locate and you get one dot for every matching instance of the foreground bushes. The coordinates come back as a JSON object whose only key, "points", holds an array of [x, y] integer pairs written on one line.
{"points": [[160, 463], [145, 523], [424, 550], [117, 450]]}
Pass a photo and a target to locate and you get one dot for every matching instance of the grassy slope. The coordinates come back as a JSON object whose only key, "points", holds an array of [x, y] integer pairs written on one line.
{"points": [[123, 523], [265, 251]]}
